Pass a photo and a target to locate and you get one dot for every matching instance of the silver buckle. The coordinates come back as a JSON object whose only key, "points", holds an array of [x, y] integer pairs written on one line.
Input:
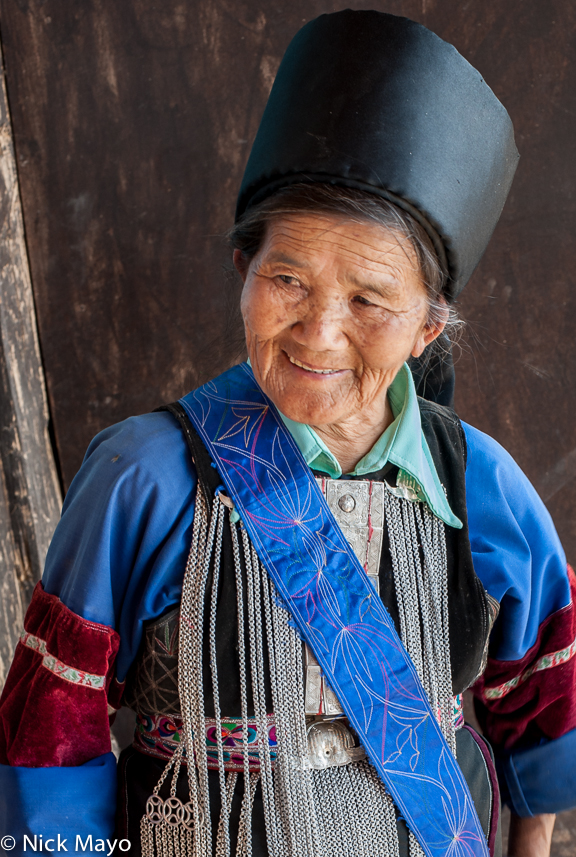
{"points": [[331, 744]]}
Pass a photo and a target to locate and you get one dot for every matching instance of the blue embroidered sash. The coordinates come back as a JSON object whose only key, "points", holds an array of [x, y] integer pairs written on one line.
{"points": [[336, 610]]}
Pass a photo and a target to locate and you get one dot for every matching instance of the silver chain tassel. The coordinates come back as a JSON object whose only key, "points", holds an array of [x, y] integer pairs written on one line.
{"points": [[334, 812], [293, 782], [170, 828], [418, 550]]}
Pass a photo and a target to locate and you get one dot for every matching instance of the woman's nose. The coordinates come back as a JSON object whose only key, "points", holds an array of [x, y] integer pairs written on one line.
{"points": [[321, 328]]}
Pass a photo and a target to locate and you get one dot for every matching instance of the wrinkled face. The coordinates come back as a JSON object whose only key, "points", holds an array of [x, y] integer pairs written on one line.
{"points": [[331, 309]]}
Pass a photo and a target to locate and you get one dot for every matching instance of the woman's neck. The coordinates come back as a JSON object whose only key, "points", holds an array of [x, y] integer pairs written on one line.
{"points": [[351, 439]]}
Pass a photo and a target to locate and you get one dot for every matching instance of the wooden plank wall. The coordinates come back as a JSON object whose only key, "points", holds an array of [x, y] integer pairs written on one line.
{"points": [[132, 123], [29, 488]]}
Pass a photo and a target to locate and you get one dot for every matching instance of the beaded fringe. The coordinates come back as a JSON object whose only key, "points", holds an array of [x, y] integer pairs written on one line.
{"points": [[335, 812]]}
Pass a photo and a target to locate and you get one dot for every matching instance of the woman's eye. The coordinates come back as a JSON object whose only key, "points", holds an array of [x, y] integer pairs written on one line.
{"points": [[358, 299]]}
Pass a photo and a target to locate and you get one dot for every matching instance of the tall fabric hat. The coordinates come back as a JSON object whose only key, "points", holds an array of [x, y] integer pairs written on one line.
{"points": [[372, 101]]}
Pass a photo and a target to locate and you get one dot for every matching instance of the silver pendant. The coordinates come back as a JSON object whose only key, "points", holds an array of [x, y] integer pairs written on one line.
{"points": [[331, 744]]}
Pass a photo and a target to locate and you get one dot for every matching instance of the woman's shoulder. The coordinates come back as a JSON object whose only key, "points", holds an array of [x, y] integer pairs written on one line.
{"points": [[484, 456], [143, 453], [485, 445], [140, 437], [489, 460], [152, 441], [499, 491]]}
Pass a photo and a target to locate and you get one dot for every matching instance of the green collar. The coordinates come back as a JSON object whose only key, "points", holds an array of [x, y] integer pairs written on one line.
{"points": [[402, 444]]}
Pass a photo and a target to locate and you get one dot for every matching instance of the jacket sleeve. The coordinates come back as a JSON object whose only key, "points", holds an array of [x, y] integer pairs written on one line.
{"points": [[117, 559], [526, 698]]}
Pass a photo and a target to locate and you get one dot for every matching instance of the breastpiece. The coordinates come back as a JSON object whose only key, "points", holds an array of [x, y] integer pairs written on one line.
{"points": [[358, 507]]}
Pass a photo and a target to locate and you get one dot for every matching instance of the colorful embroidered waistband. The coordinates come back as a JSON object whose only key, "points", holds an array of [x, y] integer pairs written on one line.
{"points": [[161, 735]]}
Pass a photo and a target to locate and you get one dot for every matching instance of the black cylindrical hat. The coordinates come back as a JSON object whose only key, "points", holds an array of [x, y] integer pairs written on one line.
{"points": [[372, 101]]}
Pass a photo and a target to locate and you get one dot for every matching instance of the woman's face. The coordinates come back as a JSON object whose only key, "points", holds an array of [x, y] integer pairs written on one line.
{"points": [[331, 309]]}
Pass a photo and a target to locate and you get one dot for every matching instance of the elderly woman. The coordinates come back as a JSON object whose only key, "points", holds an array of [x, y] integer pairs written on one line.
{"points": [[292, 574]]}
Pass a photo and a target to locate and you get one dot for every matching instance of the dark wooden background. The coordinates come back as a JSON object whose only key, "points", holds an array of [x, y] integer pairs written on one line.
{"points": [[132, 124]]}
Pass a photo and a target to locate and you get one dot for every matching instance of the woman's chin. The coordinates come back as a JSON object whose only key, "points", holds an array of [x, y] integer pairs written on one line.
{"points": [[308, 412]]}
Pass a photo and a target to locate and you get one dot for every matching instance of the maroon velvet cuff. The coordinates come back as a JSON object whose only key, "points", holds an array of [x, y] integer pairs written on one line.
{"points": [[54, 707], [520, 702]]}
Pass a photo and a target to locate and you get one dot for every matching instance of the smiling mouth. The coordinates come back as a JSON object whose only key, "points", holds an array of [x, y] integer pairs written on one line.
{"points": [[314, 371]]}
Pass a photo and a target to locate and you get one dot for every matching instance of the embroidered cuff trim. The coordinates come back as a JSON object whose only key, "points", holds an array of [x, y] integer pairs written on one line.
{"points": [[63, 671], [546, 662]]}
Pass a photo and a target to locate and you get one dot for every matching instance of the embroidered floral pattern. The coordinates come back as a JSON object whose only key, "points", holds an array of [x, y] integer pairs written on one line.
{"points": [[63, 671], [546, 662], [160, 736]]}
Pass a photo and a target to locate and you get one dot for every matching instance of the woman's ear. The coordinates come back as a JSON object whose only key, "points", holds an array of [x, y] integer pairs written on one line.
{"points": [[241, 264], [431, 329]]}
